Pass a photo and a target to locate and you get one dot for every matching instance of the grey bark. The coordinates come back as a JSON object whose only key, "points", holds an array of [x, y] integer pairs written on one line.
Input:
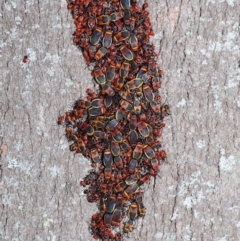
{"points": [[196, 194]]}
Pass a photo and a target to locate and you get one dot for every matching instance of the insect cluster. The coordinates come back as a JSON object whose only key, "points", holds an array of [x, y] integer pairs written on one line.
{"points": [[117, 128]]}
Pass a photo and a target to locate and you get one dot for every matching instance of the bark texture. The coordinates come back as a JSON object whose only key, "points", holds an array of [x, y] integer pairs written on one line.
{"points": [[196, 194]]}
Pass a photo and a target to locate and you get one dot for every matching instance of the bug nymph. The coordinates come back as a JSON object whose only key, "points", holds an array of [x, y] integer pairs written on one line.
{"points": [[25, 59]]}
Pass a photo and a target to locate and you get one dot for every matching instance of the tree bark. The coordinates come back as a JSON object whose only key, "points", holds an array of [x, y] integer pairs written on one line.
{"points": [[196, 194]]}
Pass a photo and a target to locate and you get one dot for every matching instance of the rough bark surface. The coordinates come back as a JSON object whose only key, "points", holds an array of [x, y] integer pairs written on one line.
{"points": [[196, 194]]}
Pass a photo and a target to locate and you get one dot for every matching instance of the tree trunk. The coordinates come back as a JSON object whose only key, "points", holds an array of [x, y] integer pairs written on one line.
{"points": [[196, 194]]}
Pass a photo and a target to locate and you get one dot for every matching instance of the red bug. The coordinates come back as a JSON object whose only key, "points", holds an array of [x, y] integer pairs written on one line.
{"points": [[60, 120], [25, 59]]}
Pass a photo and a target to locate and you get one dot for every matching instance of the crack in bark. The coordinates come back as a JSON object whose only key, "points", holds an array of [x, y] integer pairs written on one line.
{"points": [[154, 183], [8, 108], [178, 18], [5, 224], [219, 169], [200, 15], [30, 128], [1, 170], [191, 236], [160, 46], [175, 199]]}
